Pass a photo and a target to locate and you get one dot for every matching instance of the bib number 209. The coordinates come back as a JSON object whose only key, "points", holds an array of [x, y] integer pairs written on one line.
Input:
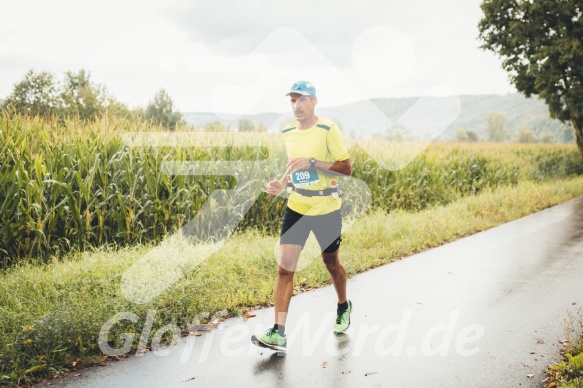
{"points": [[302, 175], [305, 177]]}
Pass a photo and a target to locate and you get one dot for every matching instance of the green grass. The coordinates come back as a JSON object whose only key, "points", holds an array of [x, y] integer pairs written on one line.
{"points": [[51, 313], [568, 372]]}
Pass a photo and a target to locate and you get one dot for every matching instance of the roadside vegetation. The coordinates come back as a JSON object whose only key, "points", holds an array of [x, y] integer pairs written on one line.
{"points": [[568, 372], [51, 313], [80, 207], [75, 185]]}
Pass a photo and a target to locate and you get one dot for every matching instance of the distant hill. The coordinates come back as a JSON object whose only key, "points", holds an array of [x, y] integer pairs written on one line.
{"points": [[364, 118], [521, 112], [199, 119]]}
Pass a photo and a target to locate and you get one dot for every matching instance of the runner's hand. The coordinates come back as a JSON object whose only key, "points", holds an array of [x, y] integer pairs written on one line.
{"points": [[274, 187], [296, 164]]}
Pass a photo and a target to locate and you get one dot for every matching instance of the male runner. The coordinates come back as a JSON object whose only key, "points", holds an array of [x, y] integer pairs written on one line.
{"points": [[317, 156]]}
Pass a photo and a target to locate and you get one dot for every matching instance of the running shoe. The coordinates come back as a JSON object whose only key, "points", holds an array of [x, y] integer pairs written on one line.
{"points": [[343, 320], [270, 339]]}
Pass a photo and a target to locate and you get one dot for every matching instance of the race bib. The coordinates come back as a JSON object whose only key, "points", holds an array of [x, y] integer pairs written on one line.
{"points": [[305, 177]]}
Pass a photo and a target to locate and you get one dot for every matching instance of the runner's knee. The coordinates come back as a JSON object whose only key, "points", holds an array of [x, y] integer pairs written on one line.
{"points": [[330, 259], [285, 271]]}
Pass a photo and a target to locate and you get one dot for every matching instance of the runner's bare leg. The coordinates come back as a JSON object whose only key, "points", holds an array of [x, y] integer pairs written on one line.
{"points": [[337, 272], [284, 286]]}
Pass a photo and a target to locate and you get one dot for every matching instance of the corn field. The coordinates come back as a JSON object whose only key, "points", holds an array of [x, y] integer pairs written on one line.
{"points": [[77, 185]]}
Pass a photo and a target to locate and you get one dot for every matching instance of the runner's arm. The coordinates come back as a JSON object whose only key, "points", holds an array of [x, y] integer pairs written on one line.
{"points": [[341, 167]]}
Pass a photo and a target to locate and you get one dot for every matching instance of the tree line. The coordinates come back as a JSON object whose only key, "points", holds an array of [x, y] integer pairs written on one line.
{"points": [[497, 131], [77, 96]]}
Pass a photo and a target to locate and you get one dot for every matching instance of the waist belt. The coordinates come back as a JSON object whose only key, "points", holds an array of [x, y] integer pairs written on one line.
{"points": [[318, 193]]}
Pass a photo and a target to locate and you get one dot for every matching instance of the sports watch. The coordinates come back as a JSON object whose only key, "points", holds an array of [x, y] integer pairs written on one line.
{"points": [[312, 162]]}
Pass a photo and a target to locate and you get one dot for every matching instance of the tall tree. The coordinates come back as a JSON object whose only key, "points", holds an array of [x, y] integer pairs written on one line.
{"points": [[36, 94], [161, 110], [496, 127], [81, 97], [40, 94], [540, 43]]}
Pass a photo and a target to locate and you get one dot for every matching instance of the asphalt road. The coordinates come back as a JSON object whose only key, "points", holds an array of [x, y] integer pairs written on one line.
{"points": [[483, 311]]}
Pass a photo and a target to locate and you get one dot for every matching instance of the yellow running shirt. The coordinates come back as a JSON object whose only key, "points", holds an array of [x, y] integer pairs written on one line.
{"points": [[323, 142]]}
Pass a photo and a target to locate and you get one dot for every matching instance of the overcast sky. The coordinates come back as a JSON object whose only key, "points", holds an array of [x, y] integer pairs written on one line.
{"points": [[242, 57]]}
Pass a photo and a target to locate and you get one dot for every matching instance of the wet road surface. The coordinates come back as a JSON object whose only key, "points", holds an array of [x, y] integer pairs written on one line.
{"points": [[483, 311]]}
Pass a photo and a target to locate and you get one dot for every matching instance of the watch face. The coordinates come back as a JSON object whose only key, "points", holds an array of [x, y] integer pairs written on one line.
{"points": [[312, 162]]}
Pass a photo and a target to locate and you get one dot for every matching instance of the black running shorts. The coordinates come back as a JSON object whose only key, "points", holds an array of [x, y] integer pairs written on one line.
{"points": [[296, 227]]}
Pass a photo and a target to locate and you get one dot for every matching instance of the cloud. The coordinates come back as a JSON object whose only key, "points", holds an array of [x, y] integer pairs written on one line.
{"points": [[236, 28], [137, 48]]}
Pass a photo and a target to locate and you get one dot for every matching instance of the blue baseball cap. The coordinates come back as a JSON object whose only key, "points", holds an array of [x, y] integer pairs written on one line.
{"points": [[303, 87]]}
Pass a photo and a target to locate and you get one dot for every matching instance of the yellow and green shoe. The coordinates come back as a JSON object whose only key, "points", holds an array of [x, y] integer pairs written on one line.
{"points": [[270, 339], [343, 320]]}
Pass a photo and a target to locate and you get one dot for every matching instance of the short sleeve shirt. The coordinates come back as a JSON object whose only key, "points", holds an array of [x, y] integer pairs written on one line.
{"points": [[324, 142]]}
